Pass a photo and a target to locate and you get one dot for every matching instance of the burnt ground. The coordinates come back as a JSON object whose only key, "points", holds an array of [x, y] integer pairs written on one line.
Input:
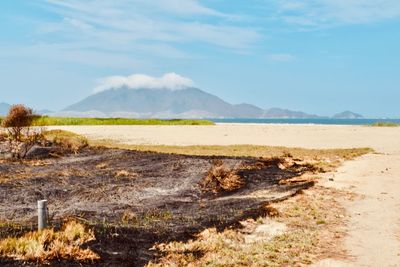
{"points": [[134, 199]]}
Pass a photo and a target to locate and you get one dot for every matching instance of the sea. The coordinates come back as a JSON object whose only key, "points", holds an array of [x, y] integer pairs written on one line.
{"points": [[324, 121]]}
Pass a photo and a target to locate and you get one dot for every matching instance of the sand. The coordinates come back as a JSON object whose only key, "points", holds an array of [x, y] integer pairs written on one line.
{"points": [[374, 218], [385, 140]]}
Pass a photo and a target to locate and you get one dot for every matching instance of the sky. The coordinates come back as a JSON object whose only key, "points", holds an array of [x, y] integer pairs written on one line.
{"points": [[317, 56]]}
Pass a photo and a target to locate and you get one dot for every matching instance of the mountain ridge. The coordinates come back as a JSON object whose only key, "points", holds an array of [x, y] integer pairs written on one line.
{"points": [[190, 103], [162, 103], [347, 115]]}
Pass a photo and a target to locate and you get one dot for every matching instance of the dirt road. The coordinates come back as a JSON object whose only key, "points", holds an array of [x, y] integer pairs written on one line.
{"points": [[374, 218]]}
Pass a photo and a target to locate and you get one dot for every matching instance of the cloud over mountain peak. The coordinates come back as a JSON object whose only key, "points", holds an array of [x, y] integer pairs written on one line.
{"points": [[171, 81]]}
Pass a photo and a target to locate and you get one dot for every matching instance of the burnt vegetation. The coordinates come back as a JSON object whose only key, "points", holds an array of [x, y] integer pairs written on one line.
{"points": [[133, 200], [125, 202]]}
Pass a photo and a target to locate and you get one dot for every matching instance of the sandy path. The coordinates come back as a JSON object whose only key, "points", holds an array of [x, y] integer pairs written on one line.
{"points": [[374, 219]]}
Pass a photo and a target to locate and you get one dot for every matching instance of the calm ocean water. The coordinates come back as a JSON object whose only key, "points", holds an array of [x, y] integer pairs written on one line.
{"points": [[309, 121]]}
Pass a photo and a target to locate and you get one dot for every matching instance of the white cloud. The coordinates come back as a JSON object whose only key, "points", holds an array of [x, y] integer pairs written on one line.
{"points": [[173, 22], [171, 81], [185, 7], [78, 24], [316, 13], [281, 57]]}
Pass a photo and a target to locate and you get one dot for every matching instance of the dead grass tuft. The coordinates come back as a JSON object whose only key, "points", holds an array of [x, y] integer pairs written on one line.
{"points": [[270, 210], [124, 173], [221, 178], [102, 165], [47, 245]]}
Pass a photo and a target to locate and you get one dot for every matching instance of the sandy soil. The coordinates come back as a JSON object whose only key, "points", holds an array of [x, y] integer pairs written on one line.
{"points": [[374, 218]]}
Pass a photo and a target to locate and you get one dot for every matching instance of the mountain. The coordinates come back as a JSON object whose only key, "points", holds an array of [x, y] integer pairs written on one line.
{"points": [[4, 107], [287, 114], [43, 111], [163, 103], [347, 115]]}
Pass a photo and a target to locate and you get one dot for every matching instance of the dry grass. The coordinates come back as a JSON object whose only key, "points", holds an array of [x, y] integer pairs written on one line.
{"points": [[221, 178], [124, 173], [331, 155], [47, 245], [384, 124], [102, 165], [3, 135], [314, 223], [67, 140]]}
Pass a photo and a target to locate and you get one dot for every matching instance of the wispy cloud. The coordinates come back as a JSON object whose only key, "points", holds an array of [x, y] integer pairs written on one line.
{"points": [[131, 22], [317, 13], [170, 81], [281, 57]]}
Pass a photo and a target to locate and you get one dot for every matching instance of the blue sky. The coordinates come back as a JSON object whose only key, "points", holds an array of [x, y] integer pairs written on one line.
{"points": [[318, 56]]}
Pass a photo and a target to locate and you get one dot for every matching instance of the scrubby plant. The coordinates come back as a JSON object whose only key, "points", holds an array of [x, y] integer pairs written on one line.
{"points": [[20, 133], [18, 120]]}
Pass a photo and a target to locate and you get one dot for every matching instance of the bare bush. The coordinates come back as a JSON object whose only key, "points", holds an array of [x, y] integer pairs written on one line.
{"points": [[18, 119], [21, 135]]}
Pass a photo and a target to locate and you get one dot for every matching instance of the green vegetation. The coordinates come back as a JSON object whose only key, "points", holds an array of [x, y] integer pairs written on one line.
{"points": [[56, 121], [385, 124]]}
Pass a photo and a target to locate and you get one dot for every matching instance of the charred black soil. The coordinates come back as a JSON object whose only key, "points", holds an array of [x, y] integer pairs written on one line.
{"points": [[135, 199]]}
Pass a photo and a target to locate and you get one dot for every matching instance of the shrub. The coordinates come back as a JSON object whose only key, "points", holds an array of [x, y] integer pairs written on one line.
{"points": [[19, 132], [18, 119]]}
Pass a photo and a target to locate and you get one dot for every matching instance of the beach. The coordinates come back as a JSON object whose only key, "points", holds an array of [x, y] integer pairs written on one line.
{"points": [[372, 218], [381, 139]]}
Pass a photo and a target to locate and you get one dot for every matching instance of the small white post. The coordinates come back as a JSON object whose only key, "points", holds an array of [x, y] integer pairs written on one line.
{"points": [[42, 214]]}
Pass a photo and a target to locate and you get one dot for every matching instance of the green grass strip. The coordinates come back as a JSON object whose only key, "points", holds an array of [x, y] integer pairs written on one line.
{"points": [[57, 121]]}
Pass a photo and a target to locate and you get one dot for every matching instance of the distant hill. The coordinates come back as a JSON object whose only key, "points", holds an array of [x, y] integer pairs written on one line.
{"points": [[287, 114], [4, 107], [347, 115], [43, 111], [163, 103]]}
